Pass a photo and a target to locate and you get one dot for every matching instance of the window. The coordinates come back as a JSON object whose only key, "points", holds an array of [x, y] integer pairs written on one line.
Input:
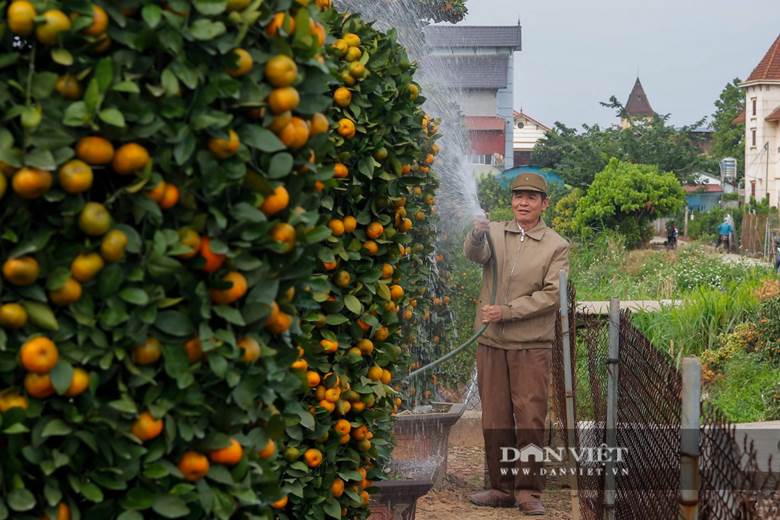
{"points": [[520, 125], [482, 159], [754, 101], [753, 137]]}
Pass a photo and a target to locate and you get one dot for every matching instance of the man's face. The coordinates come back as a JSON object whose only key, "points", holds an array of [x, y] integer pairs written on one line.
{"points": [[528, 207]]}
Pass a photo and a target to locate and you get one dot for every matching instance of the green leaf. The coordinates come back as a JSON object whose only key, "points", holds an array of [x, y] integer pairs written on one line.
{"points": [[40, 315], [43, 84], [76, 114], [61, 376], [317, 234], [129, 87], [332, 508], [130, 515], [113, 117], [170, 506], [383, 291], [169, 82], [220, 474], [255, 136], [56, 427], [151, 15], [203, 29], [264, 292], [175, 323], [353, 304], [91, 492], [20, 500], [109, 280], [295, 408], [336, 319], [5, 60], [139, 498], [125, 404], [62, 57], [104, 74], [16, 428], [52, 493], [177, 365], [134, 295], [230, 314], [281, 166], [244, 212], [210, 7], [42, 159]]}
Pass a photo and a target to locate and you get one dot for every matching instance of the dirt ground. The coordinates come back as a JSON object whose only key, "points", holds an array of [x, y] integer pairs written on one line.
{"points": [[465, 470]]}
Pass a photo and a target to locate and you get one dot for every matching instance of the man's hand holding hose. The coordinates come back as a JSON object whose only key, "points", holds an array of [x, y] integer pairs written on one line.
{"points": [[481, 226]]}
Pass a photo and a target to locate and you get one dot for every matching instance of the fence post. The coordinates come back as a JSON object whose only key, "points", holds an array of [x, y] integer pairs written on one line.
{"points": [[612, 401], [568, 384], [689, 441]]}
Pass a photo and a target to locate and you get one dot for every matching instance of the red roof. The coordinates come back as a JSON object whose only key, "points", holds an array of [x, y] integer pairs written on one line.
{"points": [[702, 188], [774, 116], [741, 118], [769, 67], [638, 104], [485, 123]]}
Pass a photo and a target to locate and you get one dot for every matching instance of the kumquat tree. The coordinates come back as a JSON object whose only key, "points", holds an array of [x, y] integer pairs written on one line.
{"points": [[213, 215]]}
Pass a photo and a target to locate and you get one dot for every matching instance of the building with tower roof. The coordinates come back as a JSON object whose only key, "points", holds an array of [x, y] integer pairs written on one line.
{"points": [[762, 128], [637, 107]]}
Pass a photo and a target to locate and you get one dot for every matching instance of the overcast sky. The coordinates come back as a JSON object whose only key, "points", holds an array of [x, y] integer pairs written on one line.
{"points": [[577, 53]]}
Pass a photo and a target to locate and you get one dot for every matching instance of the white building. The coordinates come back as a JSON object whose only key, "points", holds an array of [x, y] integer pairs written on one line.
{"points": [[528, 131], [762, 135]]}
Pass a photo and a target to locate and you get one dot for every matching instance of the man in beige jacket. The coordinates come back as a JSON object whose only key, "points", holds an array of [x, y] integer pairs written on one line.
{"points": [[514, 355]]}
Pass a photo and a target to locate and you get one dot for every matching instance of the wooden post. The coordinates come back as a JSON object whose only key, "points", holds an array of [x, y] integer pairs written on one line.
{"points": [[689, 442], [612, 402], [568, 384], [685, 224]]}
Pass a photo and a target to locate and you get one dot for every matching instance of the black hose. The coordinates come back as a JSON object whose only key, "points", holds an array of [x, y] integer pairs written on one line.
{"points": [[477, 334]]}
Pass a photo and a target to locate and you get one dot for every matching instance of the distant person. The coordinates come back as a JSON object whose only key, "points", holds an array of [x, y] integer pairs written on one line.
{"points": [[671, 235], [514, 355], [777, 255], [725, 229]]}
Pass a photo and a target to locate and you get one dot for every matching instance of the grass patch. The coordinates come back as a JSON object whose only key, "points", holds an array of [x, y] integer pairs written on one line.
{"points": [[705, 314], [742, 391]]}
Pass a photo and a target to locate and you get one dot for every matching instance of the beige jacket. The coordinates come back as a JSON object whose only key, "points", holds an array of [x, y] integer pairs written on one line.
{"points": [[528, 283]]}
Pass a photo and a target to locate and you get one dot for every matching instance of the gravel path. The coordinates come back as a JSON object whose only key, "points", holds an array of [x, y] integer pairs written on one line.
{"points": [[465, 471]]}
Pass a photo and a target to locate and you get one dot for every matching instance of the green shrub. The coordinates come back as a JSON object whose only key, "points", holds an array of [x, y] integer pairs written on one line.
{"points": [[768, 328], [626, 197]]}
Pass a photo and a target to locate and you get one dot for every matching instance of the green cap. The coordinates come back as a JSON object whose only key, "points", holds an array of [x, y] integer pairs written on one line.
{"points": [[529, 182]]}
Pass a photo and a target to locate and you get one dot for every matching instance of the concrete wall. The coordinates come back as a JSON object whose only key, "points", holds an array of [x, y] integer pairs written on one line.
{"points": [[758, 157]]}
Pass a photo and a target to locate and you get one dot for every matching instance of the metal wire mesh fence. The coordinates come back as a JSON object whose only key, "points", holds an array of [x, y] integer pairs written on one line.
{"points": [[732, 485], [648, 423], [649, 427]]}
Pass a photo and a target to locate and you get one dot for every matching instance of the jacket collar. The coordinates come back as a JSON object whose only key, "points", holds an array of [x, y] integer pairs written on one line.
{"points": [[537, 233]]}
